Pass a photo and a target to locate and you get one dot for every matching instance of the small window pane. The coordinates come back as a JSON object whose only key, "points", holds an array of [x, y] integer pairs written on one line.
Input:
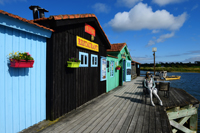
{"points": [[95, 60], [92, 60], [81, 59], [85, 59]]}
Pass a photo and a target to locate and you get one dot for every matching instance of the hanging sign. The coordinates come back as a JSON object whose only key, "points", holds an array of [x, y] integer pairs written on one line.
{"points": [[103, 69], [123, 56], [89, 29], [83, 43], [128, 72]]}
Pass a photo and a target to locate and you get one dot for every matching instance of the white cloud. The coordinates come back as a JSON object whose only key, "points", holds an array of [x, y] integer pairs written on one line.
{"points": [[166, 2], [101, 8], [141, 16], [192, 59], [2, 2], [195, 7], [151, 42], [138, 59], [155, 31], [162, 38], [127, 3]]}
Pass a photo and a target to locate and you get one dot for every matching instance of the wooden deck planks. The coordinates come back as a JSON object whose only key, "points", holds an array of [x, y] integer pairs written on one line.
{"points": [[97, 112], [122, 111], [107, 124], [130, 114]]}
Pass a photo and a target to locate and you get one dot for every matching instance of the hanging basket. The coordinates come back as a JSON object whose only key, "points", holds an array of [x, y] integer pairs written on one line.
{"points": [[21, 63], [73, 64], [118, 68]]}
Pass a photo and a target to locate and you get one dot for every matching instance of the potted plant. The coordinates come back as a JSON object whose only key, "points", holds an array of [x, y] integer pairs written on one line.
{"points": [[73, 62], [21, 60], [118, 67]]}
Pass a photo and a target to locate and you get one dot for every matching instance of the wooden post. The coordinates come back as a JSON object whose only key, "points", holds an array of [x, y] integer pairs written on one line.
{"points": [[154, 62], [193, 122], [185, 113]]}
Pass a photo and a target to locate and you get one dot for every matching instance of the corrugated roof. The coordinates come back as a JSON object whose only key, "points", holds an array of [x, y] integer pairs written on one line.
{"points": [[24, 20], [116, 47]]}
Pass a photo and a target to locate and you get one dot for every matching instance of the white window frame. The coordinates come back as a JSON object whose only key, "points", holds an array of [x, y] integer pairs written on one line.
{"points": [[84, 55], [95, 57]]}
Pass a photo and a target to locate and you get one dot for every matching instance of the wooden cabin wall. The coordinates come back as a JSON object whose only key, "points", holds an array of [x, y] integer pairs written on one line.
{"points": [[69, 88]]}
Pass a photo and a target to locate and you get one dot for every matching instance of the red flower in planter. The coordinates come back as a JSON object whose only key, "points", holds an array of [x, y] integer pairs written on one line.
{"points": [[21, 60]]}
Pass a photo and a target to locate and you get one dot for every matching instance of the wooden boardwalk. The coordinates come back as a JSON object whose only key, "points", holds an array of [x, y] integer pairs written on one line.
{"points": [[122, 110]]}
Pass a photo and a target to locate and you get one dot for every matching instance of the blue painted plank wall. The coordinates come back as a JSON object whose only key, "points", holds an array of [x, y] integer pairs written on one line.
{"points": [[22, 90]]}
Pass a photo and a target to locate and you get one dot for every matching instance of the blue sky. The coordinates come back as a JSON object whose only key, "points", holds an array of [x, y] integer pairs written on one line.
{"points": [[170, 25]]}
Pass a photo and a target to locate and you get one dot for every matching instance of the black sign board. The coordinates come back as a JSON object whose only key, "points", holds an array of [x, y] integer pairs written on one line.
{"points": [[107, 64], [128, 72]]}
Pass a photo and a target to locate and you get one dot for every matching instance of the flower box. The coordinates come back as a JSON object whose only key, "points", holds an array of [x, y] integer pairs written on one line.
{"points": [[73, 64], [21, 63], [118, 68]]}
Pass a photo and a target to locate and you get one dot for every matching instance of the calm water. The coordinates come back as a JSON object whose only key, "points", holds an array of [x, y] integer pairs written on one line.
{"points": [[189, 82]]}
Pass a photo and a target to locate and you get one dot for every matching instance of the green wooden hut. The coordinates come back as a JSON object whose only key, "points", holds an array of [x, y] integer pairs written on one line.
{"points": [[123, 59]]}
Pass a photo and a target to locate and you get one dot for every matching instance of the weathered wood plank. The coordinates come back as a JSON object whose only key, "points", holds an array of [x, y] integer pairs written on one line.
{"points": [[135, 118], [180, 127], [181, 122], [96, 122], [146, 123], [141, 118], [101, 111], [117, 119], [129, 118], [194, 122], [152, 125], [166, 127], [158, 120], [75, 116], [182, 113], [133, 98]]}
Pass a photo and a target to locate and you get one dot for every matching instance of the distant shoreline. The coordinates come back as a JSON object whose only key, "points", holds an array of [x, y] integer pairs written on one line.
{"points": [[172, 69]]}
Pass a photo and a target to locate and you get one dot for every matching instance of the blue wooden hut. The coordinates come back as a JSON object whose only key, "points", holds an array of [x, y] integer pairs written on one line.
{"points": [[22, 90]]}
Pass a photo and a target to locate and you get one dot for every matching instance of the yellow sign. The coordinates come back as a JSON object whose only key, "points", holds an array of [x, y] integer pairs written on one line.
{"points": [[83, 43]]}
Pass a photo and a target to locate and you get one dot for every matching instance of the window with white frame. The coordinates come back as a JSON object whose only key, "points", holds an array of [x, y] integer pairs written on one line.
{"points": [[84, 59], [94, 60]]}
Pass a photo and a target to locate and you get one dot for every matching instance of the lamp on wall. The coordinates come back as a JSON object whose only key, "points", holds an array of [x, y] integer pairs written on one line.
{"points": [[154, 50], [92, 38]]}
